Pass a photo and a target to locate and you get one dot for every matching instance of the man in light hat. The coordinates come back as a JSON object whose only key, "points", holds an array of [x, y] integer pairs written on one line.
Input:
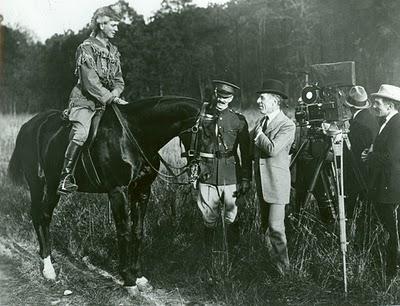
{"points": [[100, 82], [362, 132], [383, 160], [223, 175], [272, 139]]}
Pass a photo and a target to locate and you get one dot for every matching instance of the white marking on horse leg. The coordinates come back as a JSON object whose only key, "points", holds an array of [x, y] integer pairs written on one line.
{"points": [[132, 290], [48, 269], [143, 284]]}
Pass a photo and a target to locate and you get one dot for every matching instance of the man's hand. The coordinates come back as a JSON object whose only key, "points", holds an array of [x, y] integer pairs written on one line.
{"points": [[244, 187], [365, 153], [120, 101], [258, 131]]}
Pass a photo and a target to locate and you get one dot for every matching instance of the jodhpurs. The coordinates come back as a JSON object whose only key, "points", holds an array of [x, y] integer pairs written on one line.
{"points": [[81, 118], [209, 199]]}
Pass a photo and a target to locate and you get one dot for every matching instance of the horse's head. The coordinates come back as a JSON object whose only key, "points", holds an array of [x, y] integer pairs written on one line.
{"points": [[156, 120]]}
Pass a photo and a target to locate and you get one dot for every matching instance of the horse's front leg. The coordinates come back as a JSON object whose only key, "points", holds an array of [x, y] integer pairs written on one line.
{"points": [[139, 195], [119, 206], [41, 212]]}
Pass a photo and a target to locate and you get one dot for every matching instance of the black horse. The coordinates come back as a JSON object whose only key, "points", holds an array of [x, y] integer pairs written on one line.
{"points": [[38, 158]]}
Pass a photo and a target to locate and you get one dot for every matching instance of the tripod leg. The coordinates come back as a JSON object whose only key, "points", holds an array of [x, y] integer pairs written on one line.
{"points": [[316, 174], [337, 145], [293, 161], [329, 197]]}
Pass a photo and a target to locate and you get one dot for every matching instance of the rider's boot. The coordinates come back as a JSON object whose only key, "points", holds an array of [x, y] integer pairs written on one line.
{"points": [[232, 232], [67, 181]]}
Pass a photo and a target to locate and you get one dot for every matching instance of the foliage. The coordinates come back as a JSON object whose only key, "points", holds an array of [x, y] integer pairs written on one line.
{"points": [[184, 47]]}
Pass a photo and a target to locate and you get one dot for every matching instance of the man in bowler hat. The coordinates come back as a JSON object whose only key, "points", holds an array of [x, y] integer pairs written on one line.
{"points": [[272, 138], [384, 165]]}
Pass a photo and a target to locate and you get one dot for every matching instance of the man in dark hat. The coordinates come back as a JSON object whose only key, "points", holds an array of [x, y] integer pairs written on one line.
{"points": [[272, 139], [362, 132], [223, 175], [99, 83], [384, 165]]}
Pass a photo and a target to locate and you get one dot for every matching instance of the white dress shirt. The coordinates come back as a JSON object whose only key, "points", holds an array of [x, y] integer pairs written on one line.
{"points": [[271, 117], [356, 113]]}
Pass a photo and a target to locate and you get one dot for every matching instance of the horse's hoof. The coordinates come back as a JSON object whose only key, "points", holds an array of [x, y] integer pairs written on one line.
{"points": [[48, 269], [143, 284], [49, 274], [132, 290]]}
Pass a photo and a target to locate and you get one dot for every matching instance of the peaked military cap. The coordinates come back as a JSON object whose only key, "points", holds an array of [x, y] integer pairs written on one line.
{"points": [[225, 89]]}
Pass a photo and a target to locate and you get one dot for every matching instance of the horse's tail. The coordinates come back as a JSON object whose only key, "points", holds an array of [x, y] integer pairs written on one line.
{"points": [[15, 169]]}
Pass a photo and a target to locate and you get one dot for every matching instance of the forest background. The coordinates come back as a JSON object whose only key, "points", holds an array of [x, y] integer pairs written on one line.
{"points": [[183, 47]]}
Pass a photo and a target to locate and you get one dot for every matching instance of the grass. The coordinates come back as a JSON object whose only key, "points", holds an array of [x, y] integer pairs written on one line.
{"points": [[172, 253]]}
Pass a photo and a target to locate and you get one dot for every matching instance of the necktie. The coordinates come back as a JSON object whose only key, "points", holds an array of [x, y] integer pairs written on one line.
{"points": [[264, 127], [381, 120]]}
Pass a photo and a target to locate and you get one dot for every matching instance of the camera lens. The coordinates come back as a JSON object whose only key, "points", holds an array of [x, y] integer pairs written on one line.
{"points": [[310, 94]]}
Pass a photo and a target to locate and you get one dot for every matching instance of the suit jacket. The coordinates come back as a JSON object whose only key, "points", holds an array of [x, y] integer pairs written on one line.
{"points": [[384, 164], [272, 160], [363, 130]]}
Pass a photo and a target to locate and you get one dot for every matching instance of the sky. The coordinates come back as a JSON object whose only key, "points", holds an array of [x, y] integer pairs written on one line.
{"points": [[47, 17]]}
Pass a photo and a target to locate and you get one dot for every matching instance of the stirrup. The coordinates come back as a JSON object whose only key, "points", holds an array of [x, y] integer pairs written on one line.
{"points": [[66, 186]]}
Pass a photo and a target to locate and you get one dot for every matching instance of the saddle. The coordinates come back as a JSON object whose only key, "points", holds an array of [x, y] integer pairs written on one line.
{"points": [[86, 158]]}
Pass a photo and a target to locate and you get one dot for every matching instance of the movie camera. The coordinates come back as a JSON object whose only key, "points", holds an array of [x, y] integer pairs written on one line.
{"points": [[323, 100], [323, 113]]}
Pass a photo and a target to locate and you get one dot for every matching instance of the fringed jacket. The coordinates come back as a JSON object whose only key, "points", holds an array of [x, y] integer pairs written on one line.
{"points": [[98, 69]]}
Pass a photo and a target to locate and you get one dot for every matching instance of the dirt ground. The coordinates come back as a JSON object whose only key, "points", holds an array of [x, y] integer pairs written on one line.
{"points": [[78, 283]]}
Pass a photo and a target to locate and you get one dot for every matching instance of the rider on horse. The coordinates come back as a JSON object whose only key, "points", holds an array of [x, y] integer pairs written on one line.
{"points": [[100, 82]]}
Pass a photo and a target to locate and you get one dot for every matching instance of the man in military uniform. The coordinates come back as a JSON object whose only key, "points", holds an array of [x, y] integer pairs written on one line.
{"points": [[99, 83], [224, 176]]}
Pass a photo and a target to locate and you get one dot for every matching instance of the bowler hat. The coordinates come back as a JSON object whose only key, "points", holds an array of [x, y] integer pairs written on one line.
{"points": [[389, 92], [275, 87], [357, 98], [225, 89]]}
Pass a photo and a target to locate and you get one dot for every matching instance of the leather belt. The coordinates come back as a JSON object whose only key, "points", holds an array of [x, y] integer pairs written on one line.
{"points": [[217, 154]]}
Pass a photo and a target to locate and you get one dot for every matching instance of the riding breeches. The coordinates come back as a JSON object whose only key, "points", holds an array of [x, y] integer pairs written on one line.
{"points": [[212, 199], [81, 119]]}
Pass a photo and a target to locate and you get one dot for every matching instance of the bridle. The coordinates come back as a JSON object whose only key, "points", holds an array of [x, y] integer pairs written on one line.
{"points": [[172, 178]]}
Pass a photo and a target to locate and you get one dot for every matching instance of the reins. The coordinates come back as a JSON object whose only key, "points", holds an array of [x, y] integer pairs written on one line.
{"points": [[133, 140]]}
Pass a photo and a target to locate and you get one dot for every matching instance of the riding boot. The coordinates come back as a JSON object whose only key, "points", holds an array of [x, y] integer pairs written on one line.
{"points": [[208, 240], [67, 181], [207, 260], [232, 232]]}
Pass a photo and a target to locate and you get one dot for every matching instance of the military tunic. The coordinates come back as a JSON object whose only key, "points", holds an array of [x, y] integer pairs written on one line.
{"points": [[221, 134]]}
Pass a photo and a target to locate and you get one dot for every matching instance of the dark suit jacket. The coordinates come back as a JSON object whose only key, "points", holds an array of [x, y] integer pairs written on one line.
{"points": [[384, 164], [363, 130]]}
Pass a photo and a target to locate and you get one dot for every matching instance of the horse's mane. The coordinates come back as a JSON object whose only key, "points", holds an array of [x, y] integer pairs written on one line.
{"points": [[162, 107], [157, 103]]}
